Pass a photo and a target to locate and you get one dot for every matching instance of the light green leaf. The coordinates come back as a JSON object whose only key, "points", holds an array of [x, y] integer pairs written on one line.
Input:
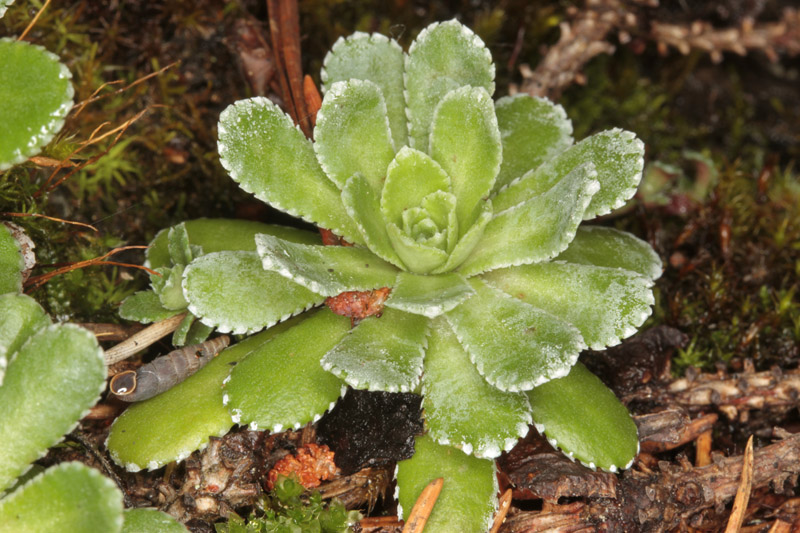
{"points": [[536, 230], [375, 58], [233, 293], [179, 336], [283, 385], [469, 240], [20, 318], [618, 158], [608, 247], [170, 292], [429, 295], [605, 304], [197, 333], [465, 141], [363, 206], [514, 345], [412, 176], [150, 521], [468, 498], [222, 234], [144, 307], [582, 416], [11, 262], [352, 134], [180, 250], [50, 383], [533, 130], [381, 353], [170, 426], [67, 497], [326, 270], [36, 95], [262, 150], [4, 5], [443, 57], [461, 408], [418, 257]]}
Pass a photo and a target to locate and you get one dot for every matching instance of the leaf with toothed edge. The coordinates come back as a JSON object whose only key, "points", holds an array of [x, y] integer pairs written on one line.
{"points": [[260, 148], [326, 270], [352, 133], [223, 234], [618, 158], [609, 247], [11, 262], [172, 425], [443, 57], [363, 206], [513, 345], [580, 415], [375, 58], [465, 141], [605, 304], [469, 493], [536, 230], [150, 521], [467, 243], [381, 353], [145, 307], [67, 497], [533, 130], [51, 382], [283, 385], [233, 293], [37, 95], [429, 295], [20, 318], [461, 408]]}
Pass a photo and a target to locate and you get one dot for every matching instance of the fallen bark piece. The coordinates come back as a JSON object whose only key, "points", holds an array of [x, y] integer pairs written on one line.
{"points": [[662, 501]]}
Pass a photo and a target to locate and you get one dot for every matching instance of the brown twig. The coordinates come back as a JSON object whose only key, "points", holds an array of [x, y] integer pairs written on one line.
{"points": [[423, 507], [143, 339], [51, 218], [743, 494], [502, 510]]}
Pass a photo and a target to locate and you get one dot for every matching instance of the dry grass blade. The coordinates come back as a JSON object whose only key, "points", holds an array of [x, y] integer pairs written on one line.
{"points": [[422, 509], [743, 494], [143, 339], [502, 511], [33, 22], [51, 218]]}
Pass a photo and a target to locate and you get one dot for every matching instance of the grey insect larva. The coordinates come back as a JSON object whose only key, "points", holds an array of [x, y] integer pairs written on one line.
{"points": [[165, 372]]}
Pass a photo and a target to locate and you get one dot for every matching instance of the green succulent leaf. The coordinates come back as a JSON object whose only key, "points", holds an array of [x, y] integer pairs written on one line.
{"points": [[461, 408], [50, 383], [352, 134], [170, 426], [179, 336], [443, 57], [375, 58], [283, 385], [144, 307], [11, 262], [67, 497], [326, 270], [260, 148], [170, 292], [222, 234], [467, 243], [605, 304], [233, 293], [150, 521], [468, 498], [608, 247], [514, 345], [537, 229], [418, 257], [363, 206], [582, 416], [20, 318], [410, 177], [429, 295], [618, 158], [198, 332], [533, 130], [180, 251], [465, 141], [36, 95], [383, 353]]}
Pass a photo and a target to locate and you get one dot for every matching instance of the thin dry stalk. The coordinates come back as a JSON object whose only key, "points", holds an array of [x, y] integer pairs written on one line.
{"points": [[141, 340]]}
